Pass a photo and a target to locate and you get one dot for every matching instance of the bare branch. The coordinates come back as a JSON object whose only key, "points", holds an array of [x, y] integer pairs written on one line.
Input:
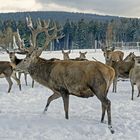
{"points": [[46, 23]]}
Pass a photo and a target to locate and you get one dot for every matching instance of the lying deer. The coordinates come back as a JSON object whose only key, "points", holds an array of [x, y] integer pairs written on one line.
{"points": [[66, 55], [79, 78], [135, 76], [82, 56], [113, 55], [6, 71], [16, 61]]}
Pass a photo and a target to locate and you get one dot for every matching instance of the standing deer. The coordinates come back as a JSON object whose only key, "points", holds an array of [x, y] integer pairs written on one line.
{"points": [[122, 68], [79, 78], [16, 61], [135, 76], [6, 71], [113, 55]]}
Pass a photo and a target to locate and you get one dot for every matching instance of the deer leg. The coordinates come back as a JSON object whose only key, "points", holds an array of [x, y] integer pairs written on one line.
{"points": [[19, 75], [132, 91], [104, 108], [25, 76], [114, 85], [101, 92], [109, 116], [138, 93], [65, 97], [103, 113], [106, 105], [32, 83], [10, 83], [138, 90], [16, 79], [51, 98]]}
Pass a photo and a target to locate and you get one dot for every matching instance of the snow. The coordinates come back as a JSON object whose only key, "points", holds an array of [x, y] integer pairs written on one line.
{"points": [[22, 118]]}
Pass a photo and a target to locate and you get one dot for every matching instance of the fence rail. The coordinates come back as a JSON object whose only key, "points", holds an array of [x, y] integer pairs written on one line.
{"points": [[127, 45], [120, 45]]}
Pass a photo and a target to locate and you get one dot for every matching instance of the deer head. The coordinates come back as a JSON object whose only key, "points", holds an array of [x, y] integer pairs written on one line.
{"points": [[66, 55], [82, 55], [129, 57]]}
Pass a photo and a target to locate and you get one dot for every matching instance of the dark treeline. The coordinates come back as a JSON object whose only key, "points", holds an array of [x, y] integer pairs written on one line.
{"points": [[81, 30]]}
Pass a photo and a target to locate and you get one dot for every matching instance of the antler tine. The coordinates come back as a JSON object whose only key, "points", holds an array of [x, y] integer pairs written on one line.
{"points": [[51, 33], [31, 43], [21, 45], [59, 30], [33, 31], [18, 35], [29, 22], [20, 41], [15, 46], [54, 35], [39, 25], [46, 23], [36, 31]]}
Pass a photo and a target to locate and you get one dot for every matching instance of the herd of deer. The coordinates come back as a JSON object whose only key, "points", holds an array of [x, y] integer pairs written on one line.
{"points": [[79, 77]]}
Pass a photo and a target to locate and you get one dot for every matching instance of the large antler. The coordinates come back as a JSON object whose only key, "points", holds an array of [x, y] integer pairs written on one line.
{"points": [[51, 33]]}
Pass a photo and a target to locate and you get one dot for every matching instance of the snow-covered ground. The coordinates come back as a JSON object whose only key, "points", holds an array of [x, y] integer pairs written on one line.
{"points": [[22, 118]]}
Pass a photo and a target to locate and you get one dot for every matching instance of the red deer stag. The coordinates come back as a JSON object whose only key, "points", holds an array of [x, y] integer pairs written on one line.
{"points": [[79, 78], [135, 76], [6, 71]]}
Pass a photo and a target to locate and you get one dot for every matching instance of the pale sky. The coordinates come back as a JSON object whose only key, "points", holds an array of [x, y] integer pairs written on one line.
{"points": [[128, 8]]}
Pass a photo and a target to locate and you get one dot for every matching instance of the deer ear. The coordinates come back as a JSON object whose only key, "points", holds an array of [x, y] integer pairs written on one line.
{"points": [[85, 52], [69, 51]]}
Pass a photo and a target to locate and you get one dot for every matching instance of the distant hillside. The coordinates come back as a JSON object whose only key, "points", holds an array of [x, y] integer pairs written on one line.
{"points": [[58, 16]]}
